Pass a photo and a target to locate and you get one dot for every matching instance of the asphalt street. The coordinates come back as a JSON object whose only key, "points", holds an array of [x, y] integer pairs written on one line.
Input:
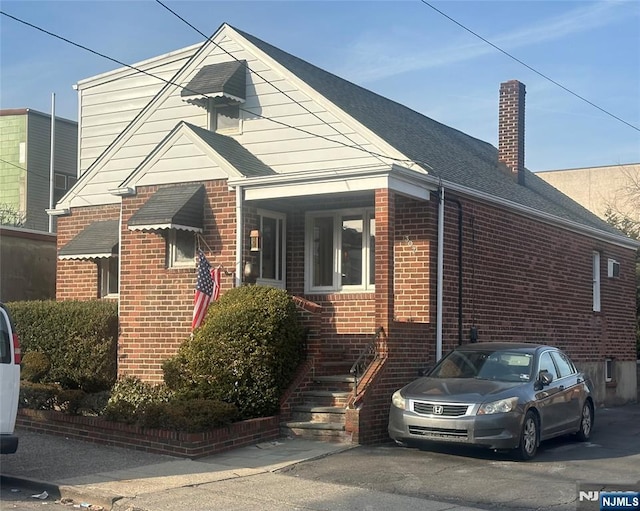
{"points": [[290, 475]]}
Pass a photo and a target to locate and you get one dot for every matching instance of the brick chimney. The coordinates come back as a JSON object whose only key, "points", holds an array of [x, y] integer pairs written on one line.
{"points": [[511, 128]]}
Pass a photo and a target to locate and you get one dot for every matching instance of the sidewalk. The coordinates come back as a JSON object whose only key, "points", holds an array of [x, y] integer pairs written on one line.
{"points": [[102, 475], [242, 479]]}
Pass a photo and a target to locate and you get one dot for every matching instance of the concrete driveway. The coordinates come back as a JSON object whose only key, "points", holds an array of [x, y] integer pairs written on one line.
{"points": [[490, 480]]}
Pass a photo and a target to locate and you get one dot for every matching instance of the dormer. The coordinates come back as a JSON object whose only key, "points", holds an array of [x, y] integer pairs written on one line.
{"points": [[221, 89]]}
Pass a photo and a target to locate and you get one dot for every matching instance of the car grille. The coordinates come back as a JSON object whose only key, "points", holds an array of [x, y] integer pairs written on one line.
{"points": [[440, 410], [438, 432]]}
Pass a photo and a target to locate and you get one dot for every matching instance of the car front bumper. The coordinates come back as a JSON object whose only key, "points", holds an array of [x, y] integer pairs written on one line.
{"points": [[494, 431]]}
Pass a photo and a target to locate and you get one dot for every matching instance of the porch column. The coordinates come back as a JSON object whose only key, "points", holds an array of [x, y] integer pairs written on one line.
{"points": [[384, 259]]}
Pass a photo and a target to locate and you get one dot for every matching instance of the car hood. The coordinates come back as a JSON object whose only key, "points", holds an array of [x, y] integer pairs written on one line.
{"points": [[461, 390]]}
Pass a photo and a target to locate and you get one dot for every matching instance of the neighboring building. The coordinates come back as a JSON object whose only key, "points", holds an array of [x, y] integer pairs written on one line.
{"points": [[27, 264], [599, 188], [25, 169], [377, 218]]}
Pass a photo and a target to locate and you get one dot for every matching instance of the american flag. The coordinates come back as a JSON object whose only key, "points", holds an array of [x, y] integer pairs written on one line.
{"points": [[207, 289]]}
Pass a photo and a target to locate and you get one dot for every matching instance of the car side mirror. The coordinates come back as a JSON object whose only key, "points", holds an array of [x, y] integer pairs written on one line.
{"points": [[545, 378], [423, 371]]}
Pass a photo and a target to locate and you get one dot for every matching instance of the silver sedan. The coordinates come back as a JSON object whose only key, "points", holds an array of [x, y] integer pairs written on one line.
{"points": [[495, 395]]}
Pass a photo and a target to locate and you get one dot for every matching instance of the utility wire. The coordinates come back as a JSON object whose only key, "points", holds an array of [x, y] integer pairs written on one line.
{"points": [[529, 67], [288, 96], [169, 82]]}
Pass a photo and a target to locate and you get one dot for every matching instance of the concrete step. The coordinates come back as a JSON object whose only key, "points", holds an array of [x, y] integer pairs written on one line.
{"points": [[329, 432], [313, 413], [327, 397]]}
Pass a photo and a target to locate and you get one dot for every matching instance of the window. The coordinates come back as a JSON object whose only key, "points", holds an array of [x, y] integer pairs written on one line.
{"points": [[340, 251], [596, 281], [565, 367], [613, 268], [608, 370], [272, 264], [225, 118], [181, 249], [62, 183], [546, 364], [108, 270]]}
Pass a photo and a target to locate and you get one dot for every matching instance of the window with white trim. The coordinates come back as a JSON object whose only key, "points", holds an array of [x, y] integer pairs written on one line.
{"points": [[271, 268], [340, 251], [181, 248], [225, 118], [596, 281], [108, 277], [608, 370]]}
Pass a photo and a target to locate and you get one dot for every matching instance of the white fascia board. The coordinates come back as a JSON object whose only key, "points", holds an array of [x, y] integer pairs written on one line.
{"points": [[547, 218], [399, 179], [145, 65]]}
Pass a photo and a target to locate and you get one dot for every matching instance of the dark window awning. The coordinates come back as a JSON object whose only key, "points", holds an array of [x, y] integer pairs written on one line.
{"points": [[171, 207], [226, 79], [97, 240]]}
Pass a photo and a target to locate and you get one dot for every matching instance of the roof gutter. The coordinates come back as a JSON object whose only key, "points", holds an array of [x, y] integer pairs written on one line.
{"points": [[547, 218]]}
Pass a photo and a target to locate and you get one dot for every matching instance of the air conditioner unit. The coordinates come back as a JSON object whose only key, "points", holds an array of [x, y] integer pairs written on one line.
{"points": [[613, 268]]}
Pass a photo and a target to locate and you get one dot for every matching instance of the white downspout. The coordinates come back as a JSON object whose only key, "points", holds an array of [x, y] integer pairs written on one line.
{"points": [[440, 271], [239, 230]]}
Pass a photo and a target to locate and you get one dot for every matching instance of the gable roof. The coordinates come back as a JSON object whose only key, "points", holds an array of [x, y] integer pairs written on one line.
{"points": [[450, 154]]}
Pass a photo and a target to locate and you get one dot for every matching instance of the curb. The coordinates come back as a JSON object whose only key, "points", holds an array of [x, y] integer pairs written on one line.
{"points": [[92, 496]]}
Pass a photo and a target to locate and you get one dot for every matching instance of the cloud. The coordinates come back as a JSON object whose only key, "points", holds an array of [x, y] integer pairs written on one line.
{"points": [[370, 58]]}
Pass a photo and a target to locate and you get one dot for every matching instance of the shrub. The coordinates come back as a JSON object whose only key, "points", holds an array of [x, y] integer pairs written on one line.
{"points": [[130, 393], [38, 396], [35, 366], [70, 401], [193, 416], [245, 353], [79, 338]]}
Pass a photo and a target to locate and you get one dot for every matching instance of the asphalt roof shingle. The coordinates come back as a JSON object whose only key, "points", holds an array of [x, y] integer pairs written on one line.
{"points": [[449, 153]]}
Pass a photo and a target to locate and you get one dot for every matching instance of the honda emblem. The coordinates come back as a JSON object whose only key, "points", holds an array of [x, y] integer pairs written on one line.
{"points": [[438, 409]]}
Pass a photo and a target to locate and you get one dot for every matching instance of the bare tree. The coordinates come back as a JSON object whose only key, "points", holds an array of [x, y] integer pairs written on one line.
{"points": [[10, 216]]}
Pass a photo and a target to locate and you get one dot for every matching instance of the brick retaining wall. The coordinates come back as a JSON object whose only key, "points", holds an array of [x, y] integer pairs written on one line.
{"points": [[174, 443]]}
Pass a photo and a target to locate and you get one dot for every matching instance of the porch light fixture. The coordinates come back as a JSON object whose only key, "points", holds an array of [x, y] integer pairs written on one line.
{"points": [[254, 236]]}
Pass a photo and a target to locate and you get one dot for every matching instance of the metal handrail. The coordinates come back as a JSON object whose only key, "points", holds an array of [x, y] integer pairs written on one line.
{"points": [[367, 356]]}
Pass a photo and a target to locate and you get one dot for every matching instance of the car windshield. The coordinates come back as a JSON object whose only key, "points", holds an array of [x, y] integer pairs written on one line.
{"points": [[511, 366]]}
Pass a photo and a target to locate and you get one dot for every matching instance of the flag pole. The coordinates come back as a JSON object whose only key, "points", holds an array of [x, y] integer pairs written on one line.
{"points": [[52, 157]]}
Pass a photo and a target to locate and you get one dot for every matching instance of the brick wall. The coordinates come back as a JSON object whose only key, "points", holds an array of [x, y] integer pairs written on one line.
{"points": [[522, 281], [78, 279], [156, 302]]}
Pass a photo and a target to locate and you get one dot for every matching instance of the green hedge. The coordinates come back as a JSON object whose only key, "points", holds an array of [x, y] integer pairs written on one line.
{"points": [[79, 339], [245, 353]]}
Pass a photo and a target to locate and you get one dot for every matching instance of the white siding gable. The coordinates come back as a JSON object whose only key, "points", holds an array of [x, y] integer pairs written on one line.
{"points": [[286, 124], [183, 157]]}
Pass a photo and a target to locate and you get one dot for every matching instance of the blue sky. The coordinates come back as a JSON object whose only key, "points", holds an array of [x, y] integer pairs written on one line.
{"points": [[403, 50]]}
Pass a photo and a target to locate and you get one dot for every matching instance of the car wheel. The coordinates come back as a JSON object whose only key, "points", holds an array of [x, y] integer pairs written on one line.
{"points": [[586, 422], [529, 437]]}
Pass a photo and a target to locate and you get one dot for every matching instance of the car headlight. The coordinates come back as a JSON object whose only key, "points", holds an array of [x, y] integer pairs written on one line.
{"points": [[501, 406], [397, 400]]}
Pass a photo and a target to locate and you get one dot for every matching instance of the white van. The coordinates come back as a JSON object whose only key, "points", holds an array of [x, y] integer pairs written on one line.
{"points": [[9, 382]]}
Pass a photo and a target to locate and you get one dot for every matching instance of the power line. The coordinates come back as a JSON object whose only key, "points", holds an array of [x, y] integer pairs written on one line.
{"points": [[529, 67], [169, 82], [288, 96]]}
